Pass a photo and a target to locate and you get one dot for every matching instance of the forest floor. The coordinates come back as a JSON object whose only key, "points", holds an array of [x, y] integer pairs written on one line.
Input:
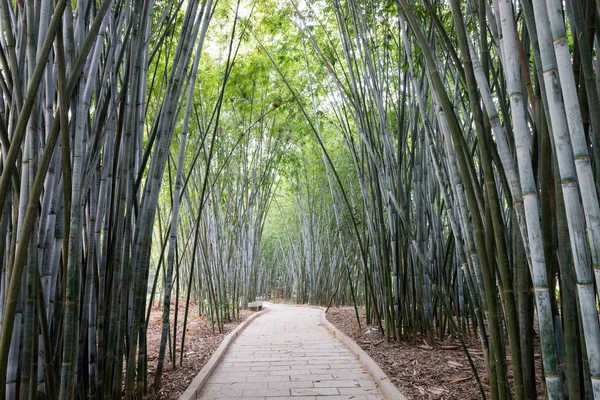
{"points": [[200, 343], [423, 369]]}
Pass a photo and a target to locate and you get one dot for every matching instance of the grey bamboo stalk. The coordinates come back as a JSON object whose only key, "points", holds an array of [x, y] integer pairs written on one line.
{"points": [[457, 142], [70, 327], [575, 171], [37, 187], [463, 252], [589, 196], [493, 201], [27, 108], [142, 237], [205, 13], [577, 19], [506, 157], [530, 202]]}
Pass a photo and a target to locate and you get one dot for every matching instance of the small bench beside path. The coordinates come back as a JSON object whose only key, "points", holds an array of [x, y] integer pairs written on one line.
{"points": [[287, 354]]}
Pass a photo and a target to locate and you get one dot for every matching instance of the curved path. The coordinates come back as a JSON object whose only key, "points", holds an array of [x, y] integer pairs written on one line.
{"points": [[287, 354]]}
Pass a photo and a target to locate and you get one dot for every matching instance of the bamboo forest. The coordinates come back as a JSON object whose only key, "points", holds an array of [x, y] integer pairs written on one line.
{"points": [[433, 165]]}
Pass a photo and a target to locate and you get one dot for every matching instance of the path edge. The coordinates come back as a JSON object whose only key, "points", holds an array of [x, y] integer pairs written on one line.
{"points": [[384, 382], [198, 382]]}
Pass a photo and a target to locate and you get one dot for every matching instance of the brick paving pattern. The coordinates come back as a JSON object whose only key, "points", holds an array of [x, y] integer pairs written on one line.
{"points": [[286, 354]]}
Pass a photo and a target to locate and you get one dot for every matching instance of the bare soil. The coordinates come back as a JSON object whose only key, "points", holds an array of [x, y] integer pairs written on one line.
{"points": [[423, 369], [200, 344]]}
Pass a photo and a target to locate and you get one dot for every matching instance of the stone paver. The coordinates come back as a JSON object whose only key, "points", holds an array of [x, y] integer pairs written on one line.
{"points": [[286, 354]]}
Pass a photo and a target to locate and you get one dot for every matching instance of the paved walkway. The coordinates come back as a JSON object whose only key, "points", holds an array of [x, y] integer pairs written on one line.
{"points": [[285, 354]]}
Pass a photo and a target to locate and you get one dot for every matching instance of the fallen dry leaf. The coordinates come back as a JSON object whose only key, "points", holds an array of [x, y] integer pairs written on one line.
{"points": [[200, 344], [437, 390], [458, 379], [415, 367]]}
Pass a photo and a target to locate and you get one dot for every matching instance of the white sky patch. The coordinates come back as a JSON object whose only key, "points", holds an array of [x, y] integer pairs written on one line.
{"points": [[217, 48], [244, 10]]}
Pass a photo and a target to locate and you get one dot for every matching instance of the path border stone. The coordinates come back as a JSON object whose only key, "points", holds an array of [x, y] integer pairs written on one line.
{"points": [[384, 382], [194, 388]]}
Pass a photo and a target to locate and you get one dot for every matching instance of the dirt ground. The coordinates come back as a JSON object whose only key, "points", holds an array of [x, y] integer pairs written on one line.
{"points": [[200, 343], [420, 370]]}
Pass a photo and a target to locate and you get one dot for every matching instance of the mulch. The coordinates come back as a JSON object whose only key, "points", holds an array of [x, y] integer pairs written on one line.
{"points": [[200, 344], [424, 368]]}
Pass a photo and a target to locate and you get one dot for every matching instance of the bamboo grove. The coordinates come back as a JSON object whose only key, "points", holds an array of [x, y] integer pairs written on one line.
{"points": [[436, 162], [121, 189], [465, 199]]}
